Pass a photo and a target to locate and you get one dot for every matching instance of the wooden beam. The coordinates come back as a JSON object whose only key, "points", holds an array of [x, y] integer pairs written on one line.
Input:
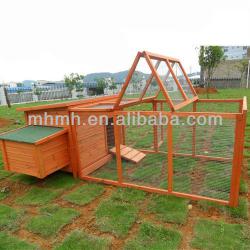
{"points": [[170, 169], [149, 81], [158, 79], [187, 79], [177, 81], [129, 76]]}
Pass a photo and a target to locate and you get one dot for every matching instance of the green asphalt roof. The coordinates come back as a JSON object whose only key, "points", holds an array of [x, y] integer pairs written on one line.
{"points": [[30, 134]]}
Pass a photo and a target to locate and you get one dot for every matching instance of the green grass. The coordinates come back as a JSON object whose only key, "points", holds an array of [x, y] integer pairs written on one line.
{"points": [[37, 196], [51, 220], [4, 194], [169, 208], [243, 187], [24, 179], [153, 237], [115, 217], [10, 218], [108, 171], [8, 242], [118, 213], [128, 195], [79, 240], [4, 174], [219, 235], [241, 211], [60, 180], [84, 194]]}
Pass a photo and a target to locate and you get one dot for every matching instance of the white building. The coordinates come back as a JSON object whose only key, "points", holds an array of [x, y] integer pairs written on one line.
{"points": [[235, 52]]}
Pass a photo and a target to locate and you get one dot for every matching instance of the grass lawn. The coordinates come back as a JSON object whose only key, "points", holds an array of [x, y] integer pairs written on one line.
{"points": [[153, 237], [122, 218], [8, 242], [169, 208], [10, 218], [79, 240], [23, 178], [84, 194], [118, 213], [219, 235], [60, 180], [51, 219], [37, 196]]}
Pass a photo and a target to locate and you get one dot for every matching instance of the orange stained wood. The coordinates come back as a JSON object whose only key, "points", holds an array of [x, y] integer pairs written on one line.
{"points": [[37, 160], [153, 189], [69, 104], [158, 79], [129, 153], [170, 169], [176, 81], [90, 141], [129, 76], [149, 81]]}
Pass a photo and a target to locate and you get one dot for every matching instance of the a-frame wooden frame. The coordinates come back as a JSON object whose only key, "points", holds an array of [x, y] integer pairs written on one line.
{"points": [[169, 64]]}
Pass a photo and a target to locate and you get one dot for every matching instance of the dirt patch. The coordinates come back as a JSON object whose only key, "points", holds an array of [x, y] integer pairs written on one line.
{"points": [[5, 122], [206, 90]]}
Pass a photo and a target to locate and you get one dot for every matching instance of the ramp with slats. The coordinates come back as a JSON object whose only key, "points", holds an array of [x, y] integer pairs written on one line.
{"points": [[129, 153]]}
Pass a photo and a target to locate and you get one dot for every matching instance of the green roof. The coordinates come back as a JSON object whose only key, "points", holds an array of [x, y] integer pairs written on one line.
{"points": [[30, 134]]}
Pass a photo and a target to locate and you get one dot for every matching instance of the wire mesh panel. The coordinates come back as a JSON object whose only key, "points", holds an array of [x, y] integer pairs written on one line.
{"points": [[138, 82], [151, 171], [182, 80], [169, 83], [227, 107], [203, 155]]}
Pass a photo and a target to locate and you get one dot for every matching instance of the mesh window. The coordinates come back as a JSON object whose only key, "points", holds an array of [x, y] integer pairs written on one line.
{"points": [[138, 81], [182, 80], [169, 83]]}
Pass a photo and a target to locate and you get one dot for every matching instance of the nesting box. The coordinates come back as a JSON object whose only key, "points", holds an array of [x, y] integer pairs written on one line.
{"points": [[35, 150]]}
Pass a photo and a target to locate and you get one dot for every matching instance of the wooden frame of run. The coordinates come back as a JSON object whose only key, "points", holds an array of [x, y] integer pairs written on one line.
{"points": [[236, 160]]}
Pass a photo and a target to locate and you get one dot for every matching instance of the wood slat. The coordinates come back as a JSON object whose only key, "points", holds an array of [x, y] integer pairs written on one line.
{"points": [[129, 153]]}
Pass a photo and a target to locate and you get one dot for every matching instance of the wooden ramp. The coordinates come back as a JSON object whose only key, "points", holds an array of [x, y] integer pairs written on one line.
{"points": [[129, 154]]}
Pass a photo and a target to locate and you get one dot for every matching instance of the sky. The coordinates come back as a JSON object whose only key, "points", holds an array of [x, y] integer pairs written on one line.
{"points": [[44, 40]]}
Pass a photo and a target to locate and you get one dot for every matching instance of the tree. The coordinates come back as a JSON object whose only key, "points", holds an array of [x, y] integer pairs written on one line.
{"points": [[209, 58], [242, 67], [6, 97], [112, 85], [73, 81], [101, 85], [19, 84]]}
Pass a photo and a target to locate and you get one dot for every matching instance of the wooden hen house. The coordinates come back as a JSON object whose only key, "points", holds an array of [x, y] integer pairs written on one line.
{"points": [[195, 162]]}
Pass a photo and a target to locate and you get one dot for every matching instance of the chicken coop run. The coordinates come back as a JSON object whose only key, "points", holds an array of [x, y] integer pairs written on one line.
{"points": [[155, 135]]}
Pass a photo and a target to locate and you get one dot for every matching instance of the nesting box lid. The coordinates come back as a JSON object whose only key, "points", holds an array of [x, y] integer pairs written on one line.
{"points": [[30, 134]]}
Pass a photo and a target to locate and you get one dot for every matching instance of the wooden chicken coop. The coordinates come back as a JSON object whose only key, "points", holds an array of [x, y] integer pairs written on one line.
{"points": [[196, 154]]}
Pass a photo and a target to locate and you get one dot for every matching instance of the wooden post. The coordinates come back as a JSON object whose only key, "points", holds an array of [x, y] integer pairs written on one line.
{"points": [[194, 131], [118, 150], [5, 156], [162, 132], [237, 159], [75, 149], [155, 129], [170, 154]]}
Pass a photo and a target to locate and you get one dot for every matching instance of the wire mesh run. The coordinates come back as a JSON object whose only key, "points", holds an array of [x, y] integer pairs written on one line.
{"points": [[201, 154]]}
